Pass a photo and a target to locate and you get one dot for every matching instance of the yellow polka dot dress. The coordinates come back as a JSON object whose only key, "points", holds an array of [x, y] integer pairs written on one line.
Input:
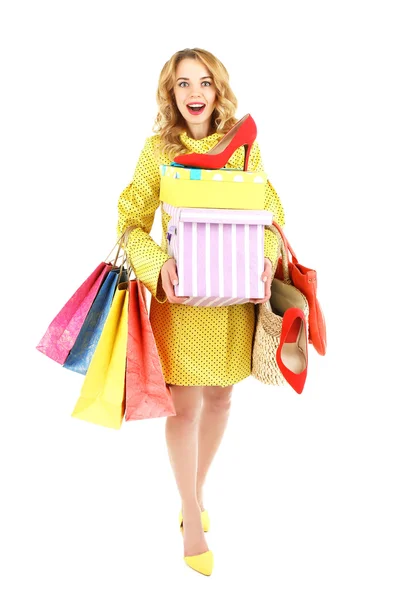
{"points": [[197, 345]]}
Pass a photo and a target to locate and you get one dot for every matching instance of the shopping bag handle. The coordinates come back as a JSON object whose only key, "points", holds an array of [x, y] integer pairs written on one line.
{"points": [[122, 242], [282, 250], [285, 241], [119, 243]]}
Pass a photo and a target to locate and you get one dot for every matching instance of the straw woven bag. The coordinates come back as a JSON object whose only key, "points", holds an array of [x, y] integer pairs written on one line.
{"points": [[269, 317]]}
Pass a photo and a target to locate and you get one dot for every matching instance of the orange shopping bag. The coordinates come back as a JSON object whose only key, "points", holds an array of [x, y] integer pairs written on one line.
{"points": [[146, 393]]}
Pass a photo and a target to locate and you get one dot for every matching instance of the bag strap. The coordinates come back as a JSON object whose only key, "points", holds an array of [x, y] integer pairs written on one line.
{"points": [[119, 243], [122, 243], [282, 250], [288, 247]]}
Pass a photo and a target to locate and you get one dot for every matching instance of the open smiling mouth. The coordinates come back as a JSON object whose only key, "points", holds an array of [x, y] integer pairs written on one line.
{"points": [[196, 108]]}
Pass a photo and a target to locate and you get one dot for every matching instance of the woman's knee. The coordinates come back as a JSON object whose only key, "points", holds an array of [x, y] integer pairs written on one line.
{"points": [[217, 397], [187, 401]]}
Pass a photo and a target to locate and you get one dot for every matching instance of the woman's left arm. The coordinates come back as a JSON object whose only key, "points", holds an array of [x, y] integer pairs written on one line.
{"points": [[272, 203]]}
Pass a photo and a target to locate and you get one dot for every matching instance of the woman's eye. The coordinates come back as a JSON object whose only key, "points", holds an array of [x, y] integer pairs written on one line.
{"points": [[186, 83]]}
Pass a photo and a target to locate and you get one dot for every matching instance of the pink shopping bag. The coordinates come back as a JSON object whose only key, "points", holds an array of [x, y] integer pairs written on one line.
{"points": [[62, 332]]}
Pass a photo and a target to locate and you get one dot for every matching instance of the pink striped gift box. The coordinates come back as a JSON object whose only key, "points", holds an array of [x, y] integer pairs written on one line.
{"points": [[219, 254]]}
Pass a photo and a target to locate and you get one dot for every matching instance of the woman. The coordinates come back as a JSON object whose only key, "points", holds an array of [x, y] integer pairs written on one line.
{"points": [[203, 350]]}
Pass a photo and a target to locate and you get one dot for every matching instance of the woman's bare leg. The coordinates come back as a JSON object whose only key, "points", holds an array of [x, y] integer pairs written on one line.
{"points": [[181, 433], [213, 421]]}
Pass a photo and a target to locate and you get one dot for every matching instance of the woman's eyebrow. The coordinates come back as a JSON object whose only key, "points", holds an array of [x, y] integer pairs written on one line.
{"points": [[187, 78]]}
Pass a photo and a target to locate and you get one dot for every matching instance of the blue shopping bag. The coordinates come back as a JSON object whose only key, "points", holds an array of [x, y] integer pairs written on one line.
{"points": [[83, 349]]}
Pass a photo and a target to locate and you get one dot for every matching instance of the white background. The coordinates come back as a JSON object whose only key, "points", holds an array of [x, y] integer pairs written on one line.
{"points": [[303, 494]]}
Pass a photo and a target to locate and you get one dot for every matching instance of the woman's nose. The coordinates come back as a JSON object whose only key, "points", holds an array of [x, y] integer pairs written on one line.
{"points": [[196, 91]]}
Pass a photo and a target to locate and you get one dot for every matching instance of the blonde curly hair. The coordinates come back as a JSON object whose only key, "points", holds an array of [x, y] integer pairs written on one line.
{"points": [[169, 123]]}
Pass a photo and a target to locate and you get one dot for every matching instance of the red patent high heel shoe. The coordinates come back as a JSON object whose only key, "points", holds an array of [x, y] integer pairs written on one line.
{"points": [[292, 353], [243, 133]]}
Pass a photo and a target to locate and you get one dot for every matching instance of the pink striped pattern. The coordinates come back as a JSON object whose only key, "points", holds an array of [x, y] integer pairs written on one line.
{"points": [[219, 254]]}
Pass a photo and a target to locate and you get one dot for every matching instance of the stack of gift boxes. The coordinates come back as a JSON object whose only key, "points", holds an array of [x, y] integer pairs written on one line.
{"points": [[216, 232]]}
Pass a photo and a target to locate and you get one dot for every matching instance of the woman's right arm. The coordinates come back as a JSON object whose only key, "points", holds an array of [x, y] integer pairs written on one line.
{"points": [[137, 206]]}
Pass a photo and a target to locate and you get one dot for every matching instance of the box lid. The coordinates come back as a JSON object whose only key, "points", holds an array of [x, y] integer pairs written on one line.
{"points": [[226, 215], [235, 175]]}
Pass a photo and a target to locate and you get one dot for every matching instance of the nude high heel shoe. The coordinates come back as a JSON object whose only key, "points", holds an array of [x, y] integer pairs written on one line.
{"points": [[243, 133]]}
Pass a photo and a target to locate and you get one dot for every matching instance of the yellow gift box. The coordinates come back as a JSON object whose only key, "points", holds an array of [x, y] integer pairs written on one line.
{"points": [[212, 188]]}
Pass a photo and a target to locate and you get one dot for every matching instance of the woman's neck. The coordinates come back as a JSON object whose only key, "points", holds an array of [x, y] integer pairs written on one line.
{"points": [[198, 131]]}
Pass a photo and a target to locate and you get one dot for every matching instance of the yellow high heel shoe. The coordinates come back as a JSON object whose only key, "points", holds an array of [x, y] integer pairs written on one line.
{"points": [[205, 520], [203, 563]]}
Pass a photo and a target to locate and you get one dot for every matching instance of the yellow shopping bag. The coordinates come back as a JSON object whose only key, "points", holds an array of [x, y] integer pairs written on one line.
{"points": [[102, 398]]}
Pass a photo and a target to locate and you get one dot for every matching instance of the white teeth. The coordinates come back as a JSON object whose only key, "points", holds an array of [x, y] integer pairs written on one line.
{"points": [[196, 105]]}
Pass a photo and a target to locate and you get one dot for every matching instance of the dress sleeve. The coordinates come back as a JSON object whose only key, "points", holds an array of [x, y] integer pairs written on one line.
{"points": [[137, 206], [272, 203]]}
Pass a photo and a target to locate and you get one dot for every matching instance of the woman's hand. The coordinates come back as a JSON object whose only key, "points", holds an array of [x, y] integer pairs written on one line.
{"points": [[169, 277], [267, 277]]}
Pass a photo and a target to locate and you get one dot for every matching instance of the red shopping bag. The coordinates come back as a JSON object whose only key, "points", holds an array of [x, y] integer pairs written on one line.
{"points": [[146, 393], [305, 280]]}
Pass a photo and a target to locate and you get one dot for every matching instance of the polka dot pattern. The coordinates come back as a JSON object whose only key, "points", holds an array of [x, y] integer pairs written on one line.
{"points": [[196, 345]]}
